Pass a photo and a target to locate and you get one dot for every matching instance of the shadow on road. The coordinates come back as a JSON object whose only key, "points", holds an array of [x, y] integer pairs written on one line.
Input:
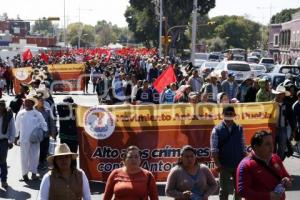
{"points": [[296, 183], [33, 184], [14, 194], [97, 188]]}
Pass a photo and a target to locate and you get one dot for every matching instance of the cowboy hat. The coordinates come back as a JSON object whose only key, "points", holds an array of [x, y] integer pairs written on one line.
{"points": [[32, 98], [42, 93], [61, 150], [281, 89]]}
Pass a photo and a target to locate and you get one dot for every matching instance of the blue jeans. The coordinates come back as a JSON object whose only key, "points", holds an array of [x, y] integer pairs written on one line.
{"points": [[3, 156]]}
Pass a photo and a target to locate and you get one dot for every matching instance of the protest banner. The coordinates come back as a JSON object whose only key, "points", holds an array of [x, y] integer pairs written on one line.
{"points": [[66, 77], [159, 131]]}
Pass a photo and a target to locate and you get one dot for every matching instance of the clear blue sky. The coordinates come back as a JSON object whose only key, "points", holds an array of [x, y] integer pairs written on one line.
{"points": [[113, 10]]}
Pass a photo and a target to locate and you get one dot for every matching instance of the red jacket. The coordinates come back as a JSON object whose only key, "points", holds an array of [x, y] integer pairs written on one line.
{"points": [[253, 181]]}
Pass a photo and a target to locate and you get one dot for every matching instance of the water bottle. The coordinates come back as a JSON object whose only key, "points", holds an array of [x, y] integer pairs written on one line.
{"points": [[52, 145], [279, 189]]}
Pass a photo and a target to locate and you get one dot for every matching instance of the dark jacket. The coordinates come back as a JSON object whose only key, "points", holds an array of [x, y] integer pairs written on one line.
{"points": [[251, 95], [67, 122], [230, 145], [209, 90]]}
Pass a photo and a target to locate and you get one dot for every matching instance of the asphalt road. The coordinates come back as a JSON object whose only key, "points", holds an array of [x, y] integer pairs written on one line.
{"points": [[20, 190]]}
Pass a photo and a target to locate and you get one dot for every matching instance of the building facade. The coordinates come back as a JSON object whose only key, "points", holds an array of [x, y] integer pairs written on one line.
{"points": [[284, 40]]}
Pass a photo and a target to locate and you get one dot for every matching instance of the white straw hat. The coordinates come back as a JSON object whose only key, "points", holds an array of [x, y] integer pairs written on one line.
{"points": [[61, 150]]}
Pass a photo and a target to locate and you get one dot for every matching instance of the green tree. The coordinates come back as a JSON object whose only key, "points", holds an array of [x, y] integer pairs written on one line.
{"points": [[107, 33], [43, 27], [86, 33], [283, 16], [237, 31], [216, 44], [104, 33], [141, 19]]}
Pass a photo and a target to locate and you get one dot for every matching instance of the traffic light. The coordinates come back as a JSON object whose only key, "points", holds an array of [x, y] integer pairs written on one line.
{"points": [[53, 18], [211, 23], [165, 40], [169, 39]]}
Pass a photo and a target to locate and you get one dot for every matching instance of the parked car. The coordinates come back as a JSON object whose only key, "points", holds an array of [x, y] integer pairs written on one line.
{"points": [[201, 56], [209, 64], [207, 67], [199, 59], [257, 69], [238, 57], [198, 63], [284, 69], [252, 59], [278, 78], [268, 62], [215, 56], [241, 69]]}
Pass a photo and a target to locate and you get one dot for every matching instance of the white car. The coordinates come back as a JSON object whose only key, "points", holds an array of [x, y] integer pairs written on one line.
{"points": [[207, 67], [198, 63], [201, 56], [241, 69], [257, 69], [269, 63]]}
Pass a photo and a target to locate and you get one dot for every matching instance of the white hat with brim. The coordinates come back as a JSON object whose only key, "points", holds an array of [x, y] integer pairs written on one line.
{"points": [[281, 90], [61, 150], [31, 98], [43, 93]]}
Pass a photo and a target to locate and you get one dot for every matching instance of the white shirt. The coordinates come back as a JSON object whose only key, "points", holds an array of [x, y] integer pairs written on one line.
{"points": [[26, 121], [134, 91], [214, 92], [45, 186]]}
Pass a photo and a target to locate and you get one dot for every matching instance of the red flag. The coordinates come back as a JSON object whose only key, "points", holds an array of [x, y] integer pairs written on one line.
{"points": [[44, 57], [166, 78], [108, 57], [27, 55]]}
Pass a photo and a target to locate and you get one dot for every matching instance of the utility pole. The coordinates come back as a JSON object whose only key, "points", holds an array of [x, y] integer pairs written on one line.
{"points": [[166, 37], [65, 33], [79, 31], [194, 30], [160, 26]]}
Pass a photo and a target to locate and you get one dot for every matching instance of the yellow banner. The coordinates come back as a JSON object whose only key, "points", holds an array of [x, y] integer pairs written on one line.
{"points": [[184, 114], [159, 131]]}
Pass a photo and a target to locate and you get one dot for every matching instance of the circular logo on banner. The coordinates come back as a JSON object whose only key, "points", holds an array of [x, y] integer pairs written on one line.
{"points": [[21, 74], [99, 123]]}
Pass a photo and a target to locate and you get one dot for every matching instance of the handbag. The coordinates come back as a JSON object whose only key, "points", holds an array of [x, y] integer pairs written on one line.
{"points": [[37, 135]]}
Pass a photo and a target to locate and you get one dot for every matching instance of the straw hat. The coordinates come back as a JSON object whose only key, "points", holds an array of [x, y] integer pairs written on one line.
{"points": [[281, 89], [32, 98], [61, 150], [42, 93]]}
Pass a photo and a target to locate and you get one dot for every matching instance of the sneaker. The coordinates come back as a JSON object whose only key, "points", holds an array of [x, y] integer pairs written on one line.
{"points": [[4, 185], [24, 178], [35, 177]]}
